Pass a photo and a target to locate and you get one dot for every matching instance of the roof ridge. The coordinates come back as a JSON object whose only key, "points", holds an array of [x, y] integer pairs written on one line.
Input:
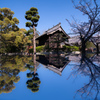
{"points": [[54, 26]]}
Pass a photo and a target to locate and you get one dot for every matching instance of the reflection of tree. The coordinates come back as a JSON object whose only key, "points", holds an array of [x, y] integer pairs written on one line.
{"points": [[7, 79], [34, 82], [9, 70], [88, 67]]}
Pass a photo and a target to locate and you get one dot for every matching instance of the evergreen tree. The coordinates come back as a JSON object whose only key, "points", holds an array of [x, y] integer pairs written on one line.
{"points": [[7, 21], [56, 41], [8, 24], [34, 82], [33, 17]]}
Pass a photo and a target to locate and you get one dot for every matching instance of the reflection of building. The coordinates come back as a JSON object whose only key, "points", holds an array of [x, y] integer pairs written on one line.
{"points": [[53, 62], [74, 58], [52, 37]]}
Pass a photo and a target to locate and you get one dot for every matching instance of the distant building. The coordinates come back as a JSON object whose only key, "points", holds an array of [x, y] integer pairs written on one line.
{"points": [[75, 40], [54, 37]]}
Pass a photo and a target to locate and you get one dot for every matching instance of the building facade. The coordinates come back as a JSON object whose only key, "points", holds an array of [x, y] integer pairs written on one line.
{"points": [[53, 38]]}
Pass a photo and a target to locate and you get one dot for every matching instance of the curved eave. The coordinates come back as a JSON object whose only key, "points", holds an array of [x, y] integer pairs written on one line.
{"points": [[53, 30]]}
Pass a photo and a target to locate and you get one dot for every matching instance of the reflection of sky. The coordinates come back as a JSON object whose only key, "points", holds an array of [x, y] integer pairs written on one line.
{"points": [[52, 87]]}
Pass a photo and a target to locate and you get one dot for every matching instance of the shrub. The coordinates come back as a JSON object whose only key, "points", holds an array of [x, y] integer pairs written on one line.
{"points": [[75, 48], [40, 48], [71, 48]]}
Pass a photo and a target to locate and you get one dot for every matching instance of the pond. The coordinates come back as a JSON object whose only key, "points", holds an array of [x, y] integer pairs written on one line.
{"points": [[50, 77]]}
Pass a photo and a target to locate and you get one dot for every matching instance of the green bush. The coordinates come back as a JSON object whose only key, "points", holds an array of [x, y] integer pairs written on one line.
{"points": [[71, 48], [75, 48], [40, 48]]}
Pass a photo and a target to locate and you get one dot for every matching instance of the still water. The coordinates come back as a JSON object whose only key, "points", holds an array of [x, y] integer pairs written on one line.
{"points": [[50, 77]]}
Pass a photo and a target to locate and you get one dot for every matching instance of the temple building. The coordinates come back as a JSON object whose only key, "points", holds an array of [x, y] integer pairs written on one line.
{"points": [[54, 37]]}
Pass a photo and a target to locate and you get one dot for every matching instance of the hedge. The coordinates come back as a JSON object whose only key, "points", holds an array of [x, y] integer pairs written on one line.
{"points": [[40, 48], [71, 48]]}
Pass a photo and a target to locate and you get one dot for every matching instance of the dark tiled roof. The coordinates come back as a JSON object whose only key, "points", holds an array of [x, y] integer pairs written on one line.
{"points": [[53, 30]]}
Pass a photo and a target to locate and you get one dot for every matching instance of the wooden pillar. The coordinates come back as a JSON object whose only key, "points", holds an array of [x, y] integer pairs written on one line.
{"points": [[49, 41]]}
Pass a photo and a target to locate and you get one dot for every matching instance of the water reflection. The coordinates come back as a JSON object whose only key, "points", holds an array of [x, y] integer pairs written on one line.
{"points": [[34, 82], [54, 62], [89, 65], [9, 69]]}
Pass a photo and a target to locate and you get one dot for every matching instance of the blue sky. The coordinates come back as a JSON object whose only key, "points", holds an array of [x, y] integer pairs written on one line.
{"points": [[51, 12]]}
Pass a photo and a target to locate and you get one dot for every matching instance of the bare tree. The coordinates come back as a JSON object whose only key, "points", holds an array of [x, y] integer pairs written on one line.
{"points": [[89, 67], [87, 29]]}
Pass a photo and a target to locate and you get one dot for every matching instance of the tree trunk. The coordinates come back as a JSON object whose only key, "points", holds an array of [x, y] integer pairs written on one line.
{"points": [[83, 47], [97, 47], [34, 44], [34, 63]]}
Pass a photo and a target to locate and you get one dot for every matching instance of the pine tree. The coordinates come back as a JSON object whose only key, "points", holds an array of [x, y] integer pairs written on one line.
{"points": [[8, 24], [33, 17]]}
